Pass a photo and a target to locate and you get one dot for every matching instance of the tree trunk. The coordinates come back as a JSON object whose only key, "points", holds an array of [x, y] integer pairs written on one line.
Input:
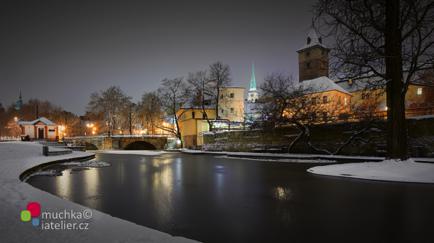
{"points": [[217, 103], [396, 124]]}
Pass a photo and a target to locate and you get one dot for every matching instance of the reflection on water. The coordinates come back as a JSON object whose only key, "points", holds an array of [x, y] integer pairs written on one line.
{"points": [[282, 193], [215, 199], [63, 185]]}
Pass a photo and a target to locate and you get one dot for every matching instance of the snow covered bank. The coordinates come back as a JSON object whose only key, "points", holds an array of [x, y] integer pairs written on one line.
{"points": [[309, 157], [289, 160], [133, 152], [388, 170], [17, 157]]}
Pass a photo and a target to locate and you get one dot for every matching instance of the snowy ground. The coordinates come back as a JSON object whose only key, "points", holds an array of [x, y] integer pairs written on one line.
{"points": [[17, 157], [388, 170]]}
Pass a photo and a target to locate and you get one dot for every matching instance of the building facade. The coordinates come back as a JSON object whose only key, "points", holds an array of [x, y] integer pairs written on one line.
{"points": [[39, 129], [358, 98], [192, 125], [231, 104]]}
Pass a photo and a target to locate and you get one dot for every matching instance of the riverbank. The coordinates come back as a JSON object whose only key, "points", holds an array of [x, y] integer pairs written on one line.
{"points": [[387, 170], [18, 157], [309, 157]]}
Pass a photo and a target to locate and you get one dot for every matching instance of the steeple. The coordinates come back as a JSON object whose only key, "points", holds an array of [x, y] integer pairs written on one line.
{"points": [[253, 79], [252, 94], [19, 102]]}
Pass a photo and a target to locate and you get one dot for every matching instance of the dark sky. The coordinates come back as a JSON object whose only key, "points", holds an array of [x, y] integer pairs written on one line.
{"points": [[62, 51]]}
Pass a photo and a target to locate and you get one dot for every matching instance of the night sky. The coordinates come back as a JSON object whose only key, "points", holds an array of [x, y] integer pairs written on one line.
{"points": [[62, 51]]}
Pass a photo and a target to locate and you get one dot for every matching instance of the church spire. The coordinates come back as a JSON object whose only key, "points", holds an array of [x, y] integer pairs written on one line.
{"points": [[253, 79], [19, 102]]}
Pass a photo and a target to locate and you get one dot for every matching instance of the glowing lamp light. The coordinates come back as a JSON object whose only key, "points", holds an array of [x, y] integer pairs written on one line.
{"points": [[15, 119], [178, 141]]}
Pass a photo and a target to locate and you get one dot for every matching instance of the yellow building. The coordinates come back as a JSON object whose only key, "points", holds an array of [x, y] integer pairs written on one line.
{"points": [[231, 104], [357, 98], [371, 101], [192, 125], [327, 99]]}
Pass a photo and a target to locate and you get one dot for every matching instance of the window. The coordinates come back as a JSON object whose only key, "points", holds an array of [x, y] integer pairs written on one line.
{"points": [[345, 101], [232, 110], [307, 53], [314, 100], [231, 95], [419, 91], [221, 96], [325, 99], [307, 64], [192, 114], [308, 40]]}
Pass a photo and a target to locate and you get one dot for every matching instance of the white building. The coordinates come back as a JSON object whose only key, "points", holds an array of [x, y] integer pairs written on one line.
{"points": [[41, 128]]}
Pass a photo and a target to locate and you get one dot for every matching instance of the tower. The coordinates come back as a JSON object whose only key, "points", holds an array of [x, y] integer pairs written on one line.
{"points": [[313, 61], [252, 94], [19, 102]]}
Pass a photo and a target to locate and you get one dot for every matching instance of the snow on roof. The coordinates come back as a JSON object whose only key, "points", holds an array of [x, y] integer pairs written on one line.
{"points": [[354, 85], [40, 119], [312, 40], [321, 84]]}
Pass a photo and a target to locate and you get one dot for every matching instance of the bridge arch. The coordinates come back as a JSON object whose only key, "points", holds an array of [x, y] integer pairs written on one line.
{"points": [[140, 145], [90, 146]]}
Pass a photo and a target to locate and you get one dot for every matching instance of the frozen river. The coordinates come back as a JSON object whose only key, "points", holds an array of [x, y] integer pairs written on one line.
{"points": [[217, 199]]}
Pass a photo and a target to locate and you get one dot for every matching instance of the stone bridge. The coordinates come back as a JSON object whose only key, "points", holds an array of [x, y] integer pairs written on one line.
{"points": [[127, 142]]}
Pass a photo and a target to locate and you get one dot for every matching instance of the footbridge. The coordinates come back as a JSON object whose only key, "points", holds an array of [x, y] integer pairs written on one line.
{"points": [[127, 142]]}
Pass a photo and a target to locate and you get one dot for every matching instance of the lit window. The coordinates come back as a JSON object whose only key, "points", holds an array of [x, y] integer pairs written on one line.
{"points": [[419, 91], [325, 99], [345, 101]]}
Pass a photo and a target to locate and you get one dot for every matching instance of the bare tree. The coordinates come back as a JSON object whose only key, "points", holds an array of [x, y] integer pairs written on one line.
{"points": [[203, 93], [220, 75], [174, 95], [392, 40], [284, 102], [150, 111], [111, 104]]}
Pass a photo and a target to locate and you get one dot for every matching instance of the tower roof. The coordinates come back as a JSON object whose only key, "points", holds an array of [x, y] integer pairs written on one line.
{"points": [[253, 79], [312, 40]]}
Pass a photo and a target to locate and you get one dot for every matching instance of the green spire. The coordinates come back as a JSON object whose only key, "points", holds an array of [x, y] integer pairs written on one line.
{"points": [[19, 102], [253, 79]]}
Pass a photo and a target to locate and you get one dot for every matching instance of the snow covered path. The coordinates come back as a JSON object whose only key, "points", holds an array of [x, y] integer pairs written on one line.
{"points": [[17, 157], [388, 170]]}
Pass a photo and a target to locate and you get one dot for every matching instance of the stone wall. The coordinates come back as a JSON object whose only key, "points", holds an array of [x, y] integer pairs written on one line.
{"points": [[326, 136]]}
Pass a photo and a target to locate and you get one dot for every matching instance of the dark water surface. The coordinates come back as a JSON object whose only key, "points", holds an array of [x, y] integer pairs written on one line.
{"points": [[216, 199]]}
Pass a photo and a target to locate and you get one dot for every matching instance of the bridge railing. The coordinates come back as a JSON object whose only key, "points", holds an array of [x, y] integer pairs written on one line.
{"points": [[123, 136]]}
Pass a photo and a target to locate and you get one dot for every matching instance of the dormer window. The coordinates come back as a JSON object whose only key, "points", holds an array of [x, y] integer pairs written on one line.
{"points": [[320, 40], [308, 40]]}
